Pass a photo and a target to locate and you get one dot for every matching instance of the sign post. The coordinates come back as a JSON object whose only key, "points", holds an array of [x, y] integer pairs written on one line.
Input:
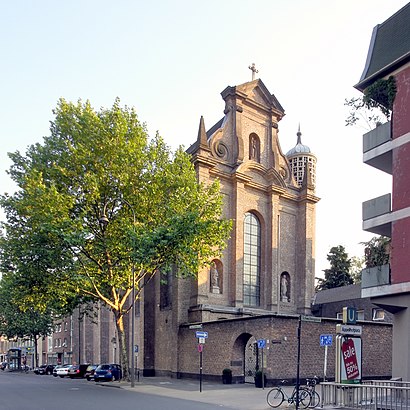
{"points": [[201, 336], [348, 349], [262, 345], [325, 340]]}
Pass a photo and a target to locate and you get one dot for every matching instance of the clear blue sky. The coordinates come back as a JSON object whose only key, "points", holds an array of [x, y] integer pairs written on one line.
{"points": [[171, 59]]}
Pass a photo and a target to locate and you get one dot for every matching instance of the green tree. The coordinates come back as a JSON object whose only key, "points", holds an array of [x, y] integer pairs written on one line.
{"points": [[338, 273], [110, 208], [16, 321], [356, 267]]}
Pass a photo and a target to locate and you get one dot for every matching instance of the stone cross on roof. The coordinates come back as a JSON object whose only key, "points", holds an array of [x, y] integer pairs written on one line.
{"points": [[254, 70]]}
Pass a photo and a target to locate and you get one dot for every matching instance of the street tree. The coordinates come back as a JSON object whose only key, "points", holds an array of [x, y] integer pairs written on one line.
{"points": [[17, 321], [112, 208], [338, 273]]}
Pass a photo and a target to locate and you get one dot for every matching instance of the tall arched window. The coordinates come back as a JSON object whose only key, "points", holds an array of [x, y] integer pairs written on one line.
{"points": [[251, 260]]}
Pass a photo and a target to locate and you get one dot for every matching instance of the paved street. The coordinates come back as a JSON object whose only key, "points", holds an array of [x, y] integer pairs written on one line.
{"points": [[20, 391]]}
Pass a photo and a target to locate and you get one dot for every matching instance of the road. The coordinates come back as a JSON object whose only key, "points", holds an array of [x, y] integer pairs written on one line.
{"points": [[21, 391]]}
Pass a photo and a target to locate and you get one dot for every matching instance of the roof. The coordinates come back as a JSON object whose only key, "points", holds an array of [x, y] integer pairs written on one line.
{"points": [[299, 148], [339, 294], [389, 47]]}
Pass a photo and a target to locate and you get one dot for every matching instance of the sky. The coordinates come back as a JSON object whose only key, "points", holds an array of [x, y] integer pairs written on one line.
{"points": [[172, 59]]}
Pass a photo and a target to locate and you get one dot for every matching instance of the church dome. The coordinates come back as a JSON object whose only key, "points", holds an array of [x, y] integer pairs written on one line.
{"points": [[299, 148], [301, 158]]}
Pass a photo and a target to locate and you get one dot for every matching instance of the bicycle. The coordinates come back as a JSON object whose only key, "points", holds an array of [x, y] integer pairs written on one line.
{"points": [[278, 395], [315, 397]]}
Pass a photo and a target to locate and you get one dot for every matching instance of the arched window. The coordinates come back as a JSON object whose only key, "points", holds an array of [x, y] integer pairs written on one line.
{"points": [[251, 260]]}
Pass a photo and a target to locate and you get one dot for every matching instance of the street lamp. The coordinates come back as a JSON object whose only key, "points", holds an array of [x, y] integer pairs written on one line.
{"points": [[104, 221]]}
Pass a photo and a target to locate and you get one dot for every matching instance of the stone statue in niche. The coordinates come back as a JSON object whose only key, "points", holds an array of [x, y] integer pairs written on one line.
{"points": [[254, 149], [284, 289], [214, 278]]}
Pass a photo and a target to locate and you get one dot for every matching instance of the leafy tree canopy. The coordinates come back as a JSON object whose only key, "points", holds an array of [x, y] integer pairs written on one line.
{"points": [[101, 208], [338, 273]]}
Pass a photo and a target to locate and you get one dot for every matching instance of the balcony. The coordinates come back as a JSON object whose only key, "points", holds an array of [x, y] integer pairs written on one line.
{"points": [[376, 215], [376, 276], [377, 149]]}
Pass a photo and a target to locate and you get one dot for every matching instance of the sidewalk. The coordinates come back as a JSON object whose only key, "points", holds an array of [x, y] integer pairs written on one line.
{"points": [[233, 396]]}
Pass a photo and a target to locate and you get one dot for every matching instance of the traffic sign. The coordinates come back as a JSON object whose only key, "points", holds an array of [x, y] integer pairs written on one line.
{"points": [[201, 340], [326, 340], [201, 334], [261, 343], [135, 348], [200, 348]]}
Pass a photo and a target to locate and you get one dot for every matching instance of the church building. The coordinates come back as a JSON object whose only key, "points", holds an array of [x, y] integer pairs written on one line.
{"points": [[269, 263]]}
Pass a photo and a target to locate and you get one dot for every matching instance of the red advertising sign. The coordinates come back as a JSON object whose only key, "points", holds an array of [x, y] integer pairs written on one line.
{"points": [[349, 355]]}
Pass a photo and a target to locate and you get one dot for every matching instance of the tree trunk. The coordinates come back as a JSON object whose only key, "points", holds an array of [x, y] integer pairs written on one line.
{"points": [[35, 351], [122, 345]]}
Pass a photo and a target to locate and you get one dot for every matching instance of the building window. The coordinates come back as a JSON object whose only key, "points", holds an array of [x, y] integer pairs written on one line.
{"points": [[378, 314], [251, 260], [166, 289]]}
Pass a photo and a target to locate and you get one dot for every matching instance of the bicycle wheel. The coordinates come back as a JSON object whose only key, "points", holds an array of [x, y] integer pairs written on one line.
{"points": [[314, 400], [304, 398], [275, 397]]}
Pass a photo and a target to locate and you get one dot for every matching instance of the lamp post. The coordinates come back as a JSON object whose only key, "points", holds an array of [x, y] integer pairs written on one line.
{"points": [[104, 222]]}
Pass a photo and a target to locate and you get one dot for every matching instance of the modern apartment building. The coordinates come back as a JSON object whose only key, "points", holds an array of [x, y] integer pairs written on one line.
{"points": [[387, 148]]}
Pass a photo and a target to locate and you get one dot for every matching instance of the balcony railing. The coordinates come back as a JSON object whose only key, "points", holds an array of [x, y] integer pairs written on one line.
{"points": [[377, 150], [376, 276], [376, 214]]}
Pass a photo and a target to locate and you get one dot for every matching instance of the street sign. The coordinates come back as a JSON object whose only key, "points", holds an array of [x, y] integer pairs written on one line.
{"points": [[199, 334], [326, 340], [349, 330], [349, 315], [195, 326], [261, 343], [313, 319]]}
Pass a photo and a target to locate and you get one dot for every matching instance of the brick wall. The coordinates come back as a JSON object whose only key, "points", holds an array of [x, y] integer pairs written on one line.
{"points": [[225, 346]]}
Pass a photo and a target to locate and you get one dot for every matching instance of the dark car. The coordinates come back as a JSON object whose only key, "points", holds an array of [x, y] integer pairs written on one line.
{"points": [[89, 373], [108, 372], [44, 369], [77, 371]]}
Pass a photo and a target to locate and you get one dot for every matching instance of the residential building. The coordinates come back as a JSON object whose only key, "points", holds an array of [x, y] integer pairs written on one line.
{"points": [[387, 148]]}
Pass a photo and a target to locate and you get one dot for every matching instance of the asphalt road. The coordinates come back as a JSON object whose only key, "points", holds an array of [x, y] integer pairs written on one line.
{"points": [[21, 391]]}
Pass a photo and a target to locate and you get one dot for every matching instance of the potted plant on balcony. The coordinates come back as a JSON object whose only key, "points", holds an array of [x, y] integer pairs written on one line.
{"points": [[377, 98], [377, 251], [227, 376]]}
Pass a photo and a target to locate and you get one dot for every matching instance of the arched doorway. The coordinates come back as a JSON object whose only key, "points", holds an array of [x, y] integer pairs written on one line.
{"points": [[251, 362], [244, 360]]}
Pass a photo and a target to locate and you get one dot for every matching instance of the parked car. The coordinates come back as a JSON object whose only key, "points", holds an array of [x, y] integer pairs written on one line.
{"points": [[108, 372], [89, 373], [55, 369], [44, 369], [63, 370], [77, 371]]}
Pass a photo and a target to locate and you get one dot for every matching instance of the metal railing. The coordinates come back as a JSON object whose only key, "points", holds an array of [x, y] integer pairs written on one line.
{"points": [[372, 395]]}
